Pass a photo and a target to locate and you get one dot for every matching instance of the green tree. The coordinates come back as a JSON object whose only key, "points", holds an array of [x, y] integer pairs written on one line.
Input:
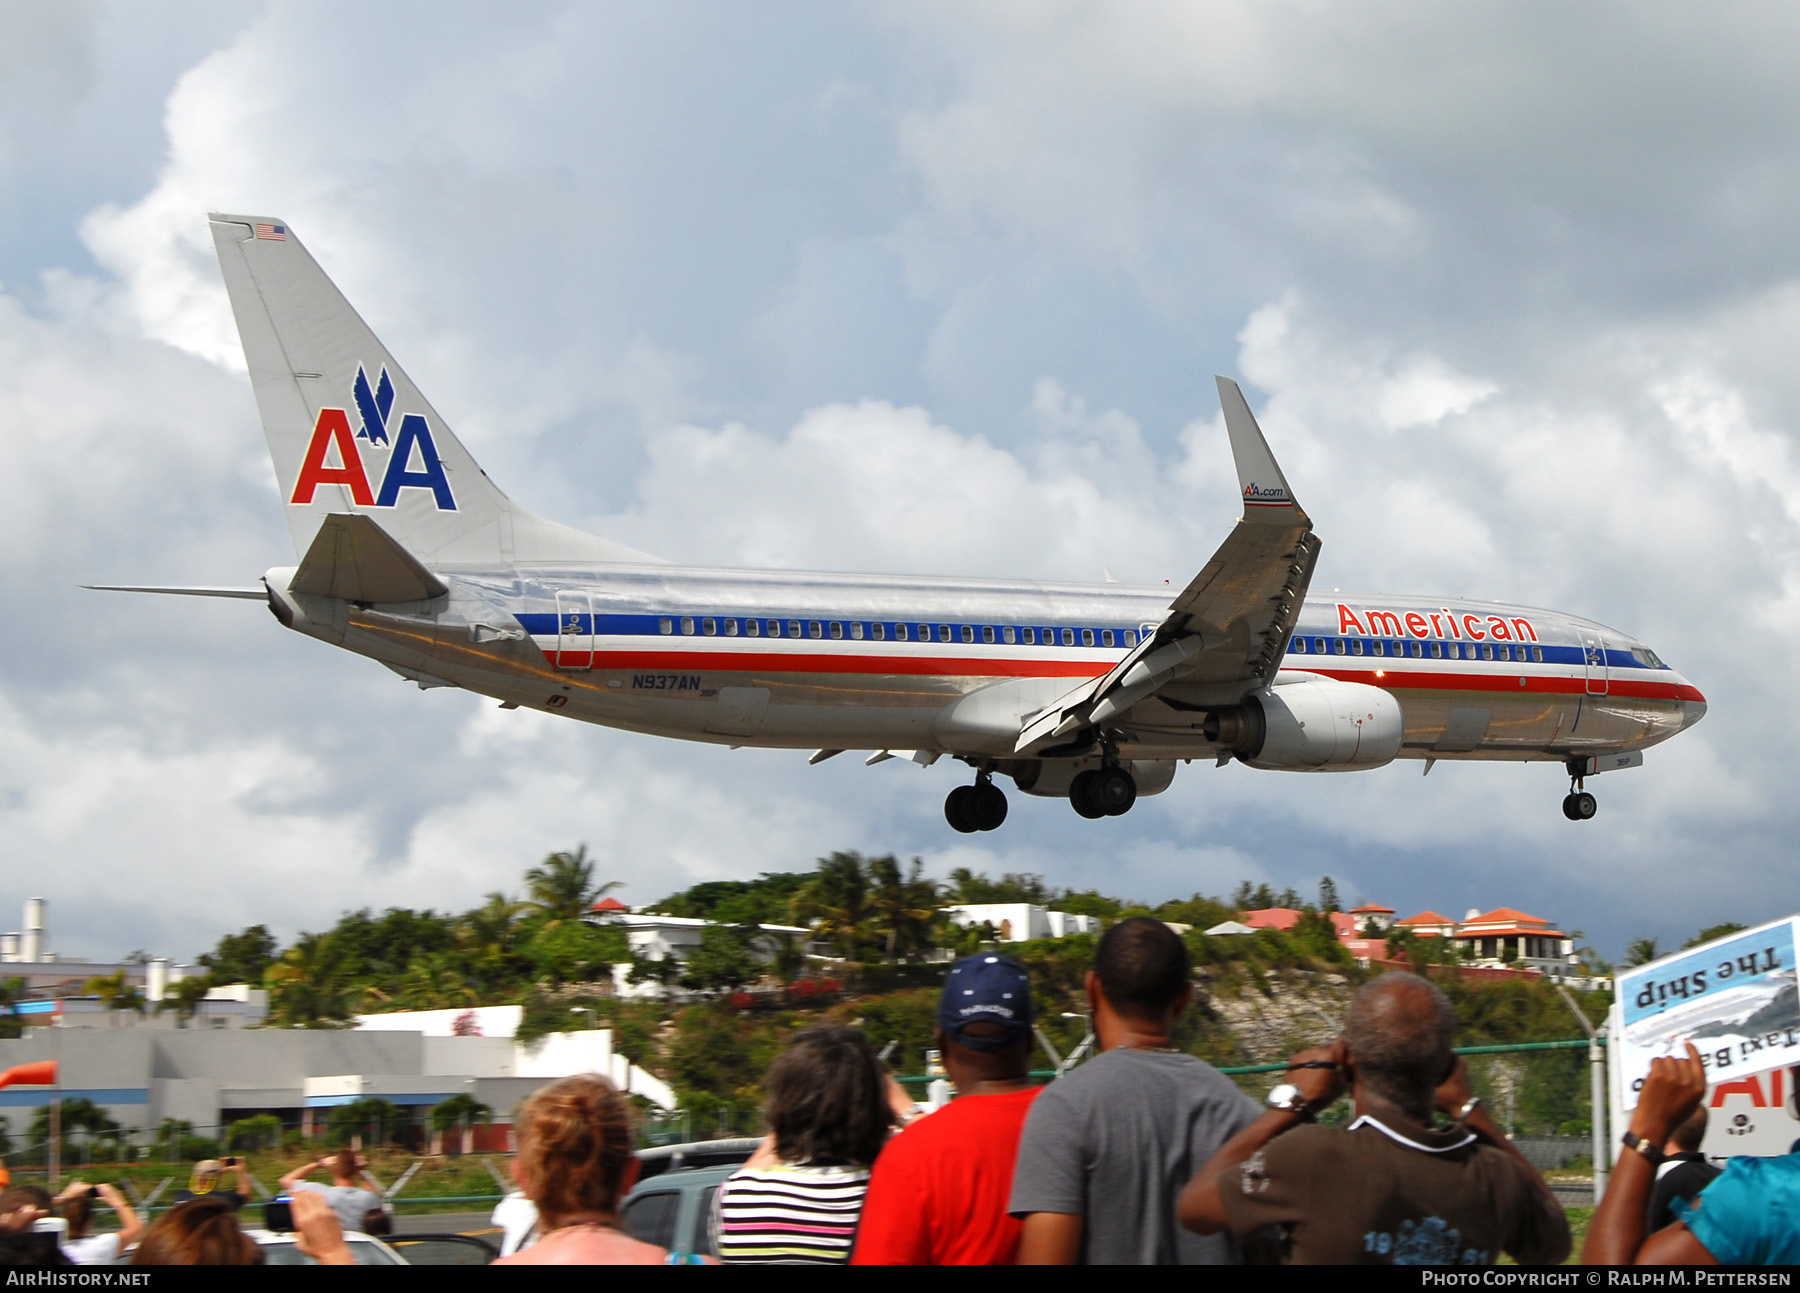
{"points": [[574, 951], [726, 958], [260, 1131], [242, 958], [1714, 931], [563, 887], [376, 1120], [836, 901], [971, 888], [904, 905], [1328, 895], [185, 995], [1641, 951], [305, 988], [115, 992], [12, 992], [461, 1112]]}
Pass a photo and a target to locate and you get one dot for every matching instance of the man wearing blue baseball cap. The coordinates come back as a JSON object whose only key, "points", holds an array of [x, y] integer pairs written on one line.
{"points": [[939, 1193]]}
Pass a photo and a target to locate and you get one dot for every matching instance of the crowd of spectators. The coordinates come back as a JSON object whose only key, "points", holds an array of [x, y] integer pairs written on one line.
{"points": [[1143, 1155]]}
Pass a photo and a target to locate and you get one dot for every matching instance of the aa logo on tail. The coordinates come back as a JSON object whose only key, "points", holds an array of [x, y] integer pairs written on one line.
{"points": [[412, 442]]}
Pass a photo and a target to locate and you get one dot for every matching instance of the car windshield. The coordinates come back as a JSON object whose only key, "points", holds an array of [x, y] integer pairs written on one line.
{"points": [[284, 1252]]}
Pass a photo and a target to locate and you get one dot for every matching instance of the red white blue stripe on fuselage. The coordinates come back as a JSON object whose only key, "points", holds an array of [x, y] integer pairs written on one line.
{"points": [[812, 646]]}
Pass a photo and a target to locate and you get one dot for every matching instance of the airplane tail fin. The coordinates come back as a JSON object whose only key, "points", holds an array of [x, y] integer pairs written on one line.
{"points": [[351, 434]]}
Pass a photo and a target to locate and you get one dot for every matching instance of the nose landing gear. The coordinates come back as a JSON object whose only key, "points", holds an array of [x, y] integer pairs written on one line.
{"points": [[980, 807], [1578, 804]]}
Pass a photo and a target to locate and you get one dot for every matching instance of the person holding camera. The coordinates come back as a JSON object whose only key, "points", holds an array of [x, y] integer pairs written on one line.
{"points": [[349, 1199], [1390, 1188], [204, 1184], [84, 1248]]}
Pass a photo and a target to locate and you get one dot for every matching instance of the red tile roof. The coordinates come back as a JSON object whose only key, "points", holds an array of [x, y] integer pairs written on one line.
{"points": [[1426, 918], [610, 903], [1506, 914], [1283, 918], [1371, 907]]}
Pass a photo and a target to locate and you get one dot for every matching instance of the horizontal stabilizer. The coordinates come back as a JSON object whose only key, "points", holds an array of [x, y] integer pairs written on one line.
{"points": [[352, 557], [257, 594]]}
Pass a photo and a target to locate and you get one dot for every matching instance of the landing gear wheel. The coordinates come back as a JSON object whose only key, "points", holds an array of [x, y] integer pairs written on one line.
{"points": [[1083, 795], [956, 810], [985, 806], [1580, 806], [1115, 791]]}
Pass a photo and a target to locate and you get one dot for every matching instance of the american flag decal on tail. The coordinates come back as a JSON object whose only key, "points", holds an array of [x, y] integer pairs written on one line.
{"points": [[272, 232]]}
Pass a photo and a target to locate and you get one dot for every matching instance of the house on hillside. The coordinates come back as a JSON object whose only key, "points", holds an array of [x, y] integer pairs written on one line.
{"points": [[1016, 922]]}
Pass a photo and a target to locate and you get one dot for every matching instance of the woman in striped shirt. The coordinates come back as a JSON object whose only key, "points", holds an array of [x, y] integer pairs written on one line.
{"points": [[828, 1116]]}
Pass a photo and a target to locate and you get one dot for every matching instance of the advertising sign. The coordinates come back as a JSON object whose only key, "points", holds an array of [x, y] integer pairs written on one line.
{"points": [[1734, 998]]}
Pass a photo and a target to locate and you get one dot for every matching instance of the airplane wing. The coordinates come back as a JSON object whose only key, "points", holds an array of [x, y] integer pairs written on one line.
{"points": [[1231, 623]]}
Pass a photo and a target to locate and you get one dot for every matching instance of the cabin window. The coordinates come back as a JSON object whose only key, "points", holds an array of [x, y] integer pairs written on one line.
{"points": [[1030, 636], [1356, 646], [943, 633], [814, 629], [731, 628], [687, 624], [1087, 637], [968, 633], [1130, 636], [710, 627], [987, 632], [1537, 655], [878, 631], [925, 633], [1487, 653], [1318, 646], [1068, 637], [856, 630], [1437, 650], [1008, 636], [1380, 647], [665, 625], [1106, 637], [837, 629], [752, 627], [1298, 644], [899, 632], [793, 629], [1338, 647]]}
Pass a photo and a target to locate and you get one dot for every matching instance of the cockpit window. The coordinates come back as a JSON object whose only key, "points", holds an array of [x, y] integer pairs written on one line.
{"points": [[1648, 658]]}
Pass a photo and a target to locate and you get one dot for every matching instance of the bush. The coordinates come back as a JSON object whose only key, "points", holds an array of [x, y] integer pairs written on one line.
{"points": [[260, 1132]]}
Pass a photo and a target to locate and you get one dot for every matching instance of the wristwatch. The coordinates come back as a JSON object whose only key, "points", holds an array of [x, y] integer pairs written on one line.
{"points": [[1651, 1152], [1288, 1099]]}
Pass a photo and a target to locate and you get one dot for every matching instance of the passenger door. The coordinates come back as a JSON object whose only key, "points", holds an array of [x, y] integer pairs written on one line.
{"points": [[574, 631], [1593, 661]]}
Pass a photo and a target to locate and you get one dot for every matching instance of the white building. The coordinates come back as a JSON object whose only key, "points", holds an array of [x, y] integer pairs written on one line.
{"points": [[662, 938], [1017, 922]]}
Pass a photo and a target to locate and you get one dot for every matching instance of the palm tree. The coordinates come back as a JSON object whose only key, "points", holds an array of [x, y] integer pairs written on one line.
{"points": [[12, 992], [185, 995], [460, 1110], [115, 993], [563, 887], [836, 901], [304, 988], [905, 904], [1641, 951]]}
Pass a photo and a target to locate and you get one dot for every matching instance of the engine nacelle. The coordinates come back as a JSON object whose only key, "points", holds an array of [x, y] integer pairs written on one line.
{"points": [[1314, 725], [1050, 778]]}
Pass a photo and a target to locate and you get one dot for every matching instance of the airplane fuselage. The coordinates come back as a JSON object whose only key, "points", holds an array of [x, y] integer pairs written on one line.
{"points": [[855, 662]]}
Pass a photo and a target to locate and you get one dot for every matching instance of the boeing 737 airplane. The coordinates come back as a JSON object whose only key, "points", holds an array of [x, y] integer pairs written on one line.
{"points": [[410, 555]]}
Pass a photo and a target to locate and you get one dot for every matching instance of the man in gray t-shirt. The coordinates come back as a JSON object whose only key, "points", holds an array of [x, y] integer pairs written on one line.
{"points": [[1108, 1148]]}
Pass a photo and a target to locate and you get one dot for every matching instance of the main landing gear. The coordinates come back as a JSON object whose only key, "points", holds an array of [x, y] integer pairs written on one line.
{"points": [[1578, 804], [1107, 791], [980, 807]]}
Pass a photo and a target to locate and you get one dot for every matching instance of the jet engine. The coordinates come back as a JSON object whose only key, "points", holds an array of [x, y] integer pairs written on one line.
{"points": [[1312, 725]]}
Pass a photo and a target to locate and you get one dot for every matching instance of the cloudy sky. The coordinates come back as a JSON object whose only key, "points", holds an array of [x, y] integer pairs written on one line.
{"points": [[1513, 288]]}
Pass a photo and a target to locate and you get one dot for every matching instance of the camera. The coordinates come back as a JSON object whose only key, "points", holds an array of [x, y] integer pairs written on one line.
{"points": [[278, 1213]]}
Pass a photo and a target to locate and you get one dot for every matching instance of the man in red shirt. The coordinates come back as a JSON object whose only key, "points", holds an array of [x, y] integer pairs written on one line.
{"points": [[939, 1193]]}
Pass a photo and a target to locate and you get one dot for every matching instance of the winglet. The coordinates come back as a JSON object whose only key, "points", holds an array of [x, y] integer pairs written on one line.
{"points": [[1266, 495]]}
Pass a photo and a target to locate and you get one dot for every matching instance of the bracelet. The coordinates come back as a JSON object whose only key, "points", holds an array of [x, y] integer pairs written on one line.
{"points": [[1469, 1106]]}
